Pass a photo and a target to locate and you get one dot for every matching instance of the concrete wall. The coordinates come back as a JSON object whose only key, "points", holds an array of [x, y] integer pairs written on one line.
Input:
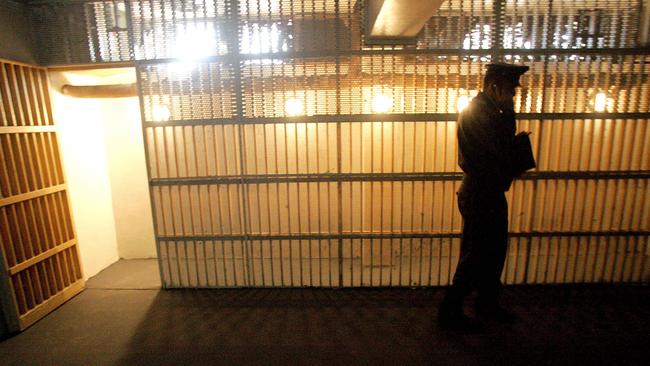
{"points": [[101, 143], [16, 42]]}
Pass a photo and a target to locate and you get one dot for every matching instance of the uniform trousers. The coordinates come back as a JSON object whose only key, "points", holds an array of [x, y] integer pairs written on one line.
{"points": [[483, 245]]}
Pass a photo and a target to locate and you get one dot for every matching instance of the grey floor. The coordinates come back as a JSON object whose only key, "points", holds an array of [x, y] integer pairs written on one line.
{"points": [[123, 318]]}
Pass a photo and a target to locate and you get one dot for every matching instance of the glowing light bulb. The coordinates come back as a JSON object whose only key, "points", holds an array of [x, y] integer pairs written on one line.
{"points": [[462, 103], [381, 104], [294, 107], [600, 102], [161, 113]]}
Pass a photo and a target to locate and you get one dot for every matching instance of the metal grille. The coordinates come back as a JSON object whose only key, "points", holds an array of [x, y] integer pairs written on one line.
{"points": [[247, 194]]}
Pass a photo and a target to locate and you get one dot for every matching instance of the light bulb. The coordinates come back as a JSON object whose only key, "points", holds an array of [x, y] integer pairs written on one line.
{"points": [[381, 104], [600, 102], [160, 113], [294, 107], [462, 103]]}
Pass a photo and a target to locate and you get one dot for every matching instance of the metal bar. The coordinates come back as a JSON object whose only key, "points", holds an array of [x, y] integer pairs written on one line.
{"points": [[390, 177], [31, 195], [40, 257], [451, 52], [27, 129], [406, 235], [148, 162], [394, 117]]}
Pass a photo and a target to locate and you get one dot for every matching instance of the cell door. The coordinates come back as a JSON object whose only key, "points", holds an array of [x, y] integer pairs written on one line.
{"points": [[39, 268]]}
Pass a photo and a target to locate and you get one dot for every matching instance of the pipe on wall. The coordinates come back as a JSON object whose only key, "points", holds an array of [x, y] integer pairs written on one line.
{"points": [[100, 91]]}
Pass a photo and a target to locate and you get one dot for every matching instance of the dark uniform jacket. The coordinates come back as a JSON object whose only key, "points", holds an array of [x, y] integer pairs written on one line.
{"points": [[486, 146]]}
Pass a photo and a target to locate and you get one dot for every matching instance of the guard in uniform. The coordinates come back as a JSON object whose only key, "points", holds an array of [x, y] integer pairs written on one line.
{"points": [[488, 156]]}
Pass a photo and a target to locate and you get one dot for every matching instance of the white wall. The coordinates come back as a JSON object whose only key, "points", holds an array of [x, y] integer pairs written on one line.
{"points": [[103, 154], [128, 175]]}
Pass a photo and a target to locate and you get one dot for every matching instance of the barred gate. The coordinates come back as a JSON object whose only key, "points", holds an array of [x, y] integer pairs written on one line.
{"points": [[39, 258], [285, 151]]}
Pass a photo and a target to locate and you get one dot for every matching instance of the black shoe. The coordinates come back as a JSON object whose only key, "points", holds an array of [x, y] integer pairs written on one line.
{"points": [[458, 321], [495, 312]]}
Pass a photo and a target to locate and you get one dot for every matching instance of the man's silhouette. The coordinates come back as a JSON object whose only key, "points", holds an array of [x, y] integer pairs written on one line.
{"points": [[489, 158]]}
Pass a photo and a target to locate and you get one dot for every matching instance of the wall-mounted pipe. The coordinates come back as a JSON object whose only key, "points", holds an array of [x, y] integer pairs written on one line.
{"points": [[100, 91]]}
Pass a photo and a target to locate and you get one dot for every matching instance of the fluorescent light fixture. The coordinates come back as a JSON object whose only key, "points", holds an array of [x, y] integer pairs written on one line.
{"points": [[294, 107], [462, 102], [160, 113], [600, 102], [381, 103]]}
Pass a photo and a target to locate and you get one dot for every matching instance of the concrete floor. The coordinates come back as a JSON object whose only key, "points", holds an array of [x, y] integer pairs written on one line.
{"points": [[122, 318]]}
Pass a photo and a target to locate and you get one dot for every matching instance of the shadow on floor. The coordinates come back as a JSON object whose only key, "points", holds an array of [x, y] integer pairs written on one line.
{"points": [[559, 325]]}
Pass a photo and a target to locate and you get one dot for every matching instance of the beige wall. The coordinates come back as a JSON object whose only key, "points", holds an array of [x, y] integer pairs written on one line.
{"points": [[128, 175], [102, 149]]}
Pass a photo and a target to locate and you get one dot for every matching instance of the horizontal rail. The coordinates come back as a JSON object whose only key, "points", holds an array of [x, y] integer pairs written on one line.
{"points": [[29, 195], [41, 257], [401, 235], [50, 304], [393, 117], [389, 177], [27, 129], [451, 52]]}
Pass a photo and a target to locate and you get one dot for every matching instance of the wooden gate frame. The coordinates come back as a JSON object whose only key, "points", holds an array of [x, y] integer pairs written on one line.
{"points": [[49, 252]]}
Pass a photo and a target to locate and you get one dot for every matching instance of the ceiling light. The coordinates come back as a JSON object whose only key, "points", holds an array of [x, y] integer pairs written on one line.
{"points": [[381, 104], [600, 102], [294, 107], [161, 113]]}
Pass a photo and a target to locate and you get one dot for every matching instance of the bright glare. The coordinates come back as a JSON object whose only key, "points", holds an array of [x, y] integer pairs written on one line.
{"points": [[258, 39], [161, 113], [195, 41], [294, 107], [601, 102], [381, 104], [462, 103]]}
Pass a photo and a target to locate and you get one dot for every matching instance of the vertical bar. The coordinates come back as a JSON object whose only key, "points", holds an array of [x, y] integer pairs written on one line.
{"points": [[401, 215], [413, 144], [268, 203], [8, 239], [26, 161], [9, 80], [22, 224], [286, 162], [18, 164], [6, 188], [35, 284], [189, 195], [21, 297], [39, 243], [6, 106], [42, 271], [49, 179], [227, 188], [277, 197], [51, 203], [230, 217], [35, 159], [318, 209], [25, 96], [34, 96], [56, 160], [311, 263], [44, 97], [259, 206]]}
